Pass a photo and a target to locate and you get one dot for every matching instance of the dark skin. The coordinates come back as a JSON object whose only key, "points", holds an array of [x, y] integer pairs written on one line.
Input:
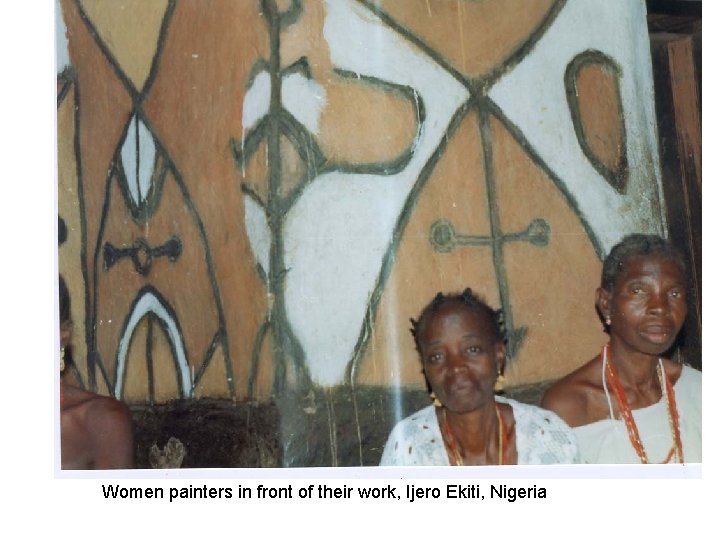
{"points": [[96, 432], [461, 355], [646, 307]]}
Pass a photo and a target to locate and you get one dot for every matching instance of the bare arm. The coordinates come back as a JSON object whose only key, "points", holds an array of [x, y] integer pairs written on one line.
{"points": [[567, 402]]}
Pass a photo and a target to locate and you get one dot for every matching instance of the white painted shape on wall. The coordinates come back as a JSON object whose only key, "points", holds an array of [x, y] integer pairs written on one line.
{"points": [[532, 95], [257, 100], [138, 159], [304, 99], [62, 56], [149, 303], [338, 232], [301, 97], [392, 346], [258, 232]]}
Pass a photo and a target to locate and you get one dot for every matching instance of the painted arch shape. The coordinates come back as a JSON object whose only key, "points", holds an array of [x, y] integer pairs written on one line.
{"points": [[148, 301]]}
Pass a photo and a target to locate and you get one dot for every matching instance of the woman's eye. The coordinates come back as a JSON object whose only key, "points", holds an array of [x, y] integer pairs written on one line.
{"points": [[474, 349], [676, 294], [435, 358]]}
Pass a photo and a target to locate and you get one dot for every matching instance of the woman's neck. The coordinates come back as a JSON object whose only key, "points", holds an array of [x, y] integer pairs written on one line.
{"points": [[475, 431], [636, 370]]}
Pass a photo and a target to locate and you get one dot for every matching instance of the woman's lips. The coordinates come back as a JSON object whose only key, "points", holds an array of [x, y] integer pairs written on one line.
{"points": [[657, 333], [460, 386]]}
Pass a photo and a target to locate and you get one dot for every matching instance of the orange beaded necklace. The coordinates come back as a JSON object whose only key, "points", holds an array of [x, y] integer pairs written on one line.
{"points": [[453, 447], [632, 430]]}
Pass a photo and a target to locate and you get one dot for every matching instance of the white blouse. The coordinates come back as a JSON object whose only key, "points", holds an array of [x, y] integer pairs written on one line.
{"points": [[607, 441], [541, 437]]}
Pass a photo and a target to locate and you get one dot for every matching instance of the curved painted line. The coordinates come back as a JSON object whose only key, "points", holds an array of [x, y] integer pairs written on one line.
{"points": [[138, 95], [291, 15], [388, 261], [358, 43], [616, 178], [149, 300], [67, 80], [143, 209], [525, 48], [546, 124], [536, 158], [210, 268], [162, 34], [137, 155], [396, 165]]}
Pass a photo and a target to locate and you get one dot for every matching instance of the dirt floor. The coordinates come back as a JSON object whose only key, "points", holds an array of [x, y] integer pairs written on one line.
{"points": [[337, 427]]}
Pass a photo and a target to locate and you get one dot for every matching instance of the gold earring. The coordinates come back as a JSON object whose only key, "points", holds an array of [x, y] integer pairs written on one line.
{"points": [[435, 400], [500, 382], [62, 359]]}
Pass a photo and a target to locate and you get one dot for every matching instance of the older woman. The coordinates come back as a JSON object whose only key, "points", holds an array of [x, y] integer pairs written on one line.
{"points": [[631, 404], [462, 352], [96, 432]]}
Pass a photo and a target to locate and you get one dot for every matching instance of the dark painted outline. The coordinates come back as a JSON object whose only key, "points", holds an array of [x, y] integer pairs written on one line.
{"points": [[137, 99], [309, 150], [514, 335], [67, 79], [279, 122], [149, 358], [144, 290], [137, 95], [525, 48], [90, 359], [618, 178], [172, 249], [389, 257], [205, 362], [517, 134], [142, 212], [255, 357], [476, 101]]}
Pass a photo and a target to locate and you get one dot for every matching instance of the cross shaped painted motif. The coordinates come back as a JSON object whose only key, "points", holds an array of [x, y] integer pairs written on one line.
{"points": [[443, 238]]}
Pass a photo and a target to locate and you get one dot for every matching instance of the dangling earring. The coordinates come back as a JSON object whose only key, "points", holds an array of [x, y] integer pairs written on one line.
{"points": [[62, 359], [435, 400], [500, 382]]}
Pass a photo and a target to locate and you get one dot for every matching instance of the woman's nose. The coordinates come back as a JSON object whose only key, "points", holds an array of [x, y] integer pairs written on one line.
{"points": [[456, 362], [658, 303]]}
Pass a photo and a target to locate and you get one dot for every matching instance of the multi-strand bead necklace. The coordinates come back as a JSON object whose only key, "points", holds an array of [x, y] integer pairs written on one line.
{"points": [[668, 394], [456, 457]]}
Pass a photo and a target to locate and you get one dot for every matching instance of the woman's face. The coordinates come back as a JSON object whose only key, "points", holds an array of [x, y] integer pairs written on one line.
{"points": [[647, 305], [460, 357]]}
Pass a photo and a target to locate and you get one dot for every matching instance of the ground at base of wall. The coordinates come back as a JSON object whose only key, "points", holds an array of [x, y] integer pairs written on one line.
{"points": [[320, 428]]}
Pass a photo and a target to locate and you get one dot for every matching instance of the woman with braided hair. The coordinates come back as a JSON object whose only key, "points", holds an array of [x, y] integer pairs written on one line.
{"points": [[462, 352]]}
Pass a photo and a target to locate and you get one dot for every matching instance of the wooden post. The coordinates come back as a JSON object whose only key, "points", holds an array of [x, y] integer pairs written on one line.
{"points": [[679, 129]]}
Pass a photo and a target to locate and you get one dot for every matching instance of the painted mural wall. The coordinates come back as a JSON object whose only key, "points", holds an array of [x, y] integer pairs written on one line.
{"points": [[259, 194]]}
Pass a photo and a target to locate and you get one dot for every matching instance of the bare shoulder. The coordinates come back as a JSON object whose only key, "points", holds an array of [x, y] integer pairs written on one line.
{"points": [[573, 397], [111, 425], [100, 408], [105, 415], [95, 409]]}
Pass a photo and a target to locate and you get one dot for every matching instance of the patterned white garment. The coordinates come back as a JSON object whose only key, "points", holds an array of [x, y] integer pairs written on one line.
{"points": [[541, 437], [607, 441]]}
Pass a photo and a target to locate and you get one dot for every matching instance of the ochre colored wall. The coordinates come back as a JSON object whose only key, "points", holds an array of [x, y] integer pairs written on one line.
{"points": [[260, 194]]}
